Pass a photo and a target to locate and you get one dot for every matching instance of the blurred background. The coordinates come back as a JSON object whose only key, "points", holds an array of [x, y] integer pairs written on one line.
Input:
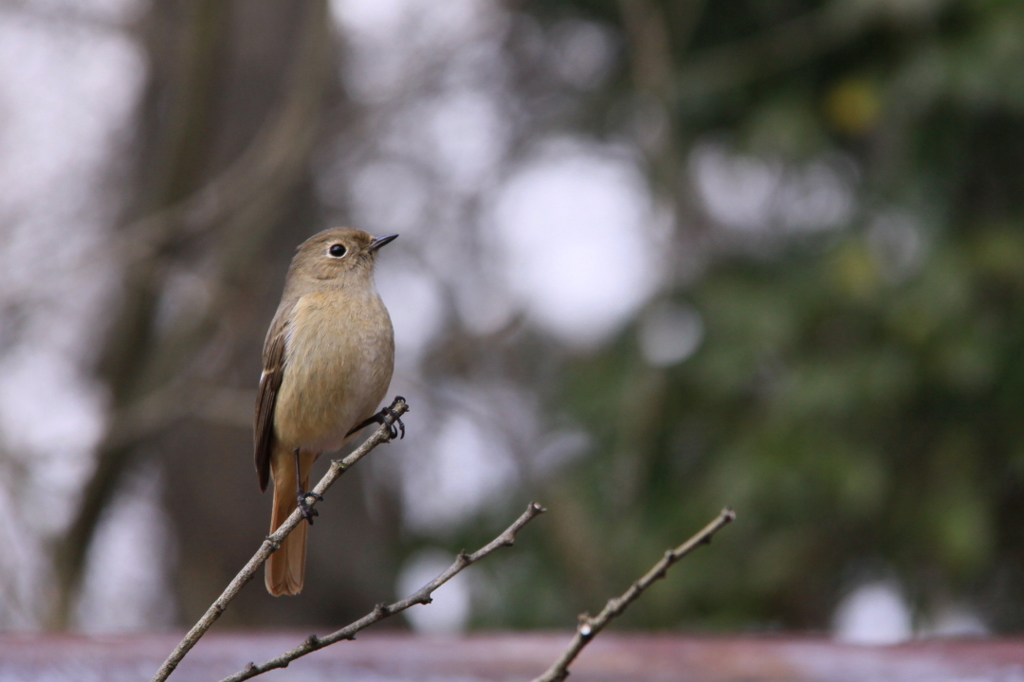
{"points": [[656, 257]]}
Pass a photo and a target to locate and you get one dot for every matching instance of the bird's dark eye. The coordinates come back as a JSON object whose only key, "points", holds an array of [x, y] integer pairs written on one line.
{"points": [[337, 250]]}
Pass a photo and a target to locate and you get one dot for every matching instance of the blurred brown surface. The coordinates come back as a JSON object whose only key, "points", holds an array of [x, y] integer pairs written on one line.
{"points": [[408, 658]]}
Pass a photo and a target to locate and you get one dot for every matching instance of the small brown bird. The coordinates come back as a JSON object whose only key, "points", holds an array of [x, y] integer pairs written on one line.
{"points": [[327, 363]]}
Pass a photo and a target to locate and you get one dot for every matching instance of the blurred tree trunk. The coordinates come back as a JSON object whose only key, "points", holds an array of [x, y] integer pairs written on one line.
{"points": [[230, 116]]}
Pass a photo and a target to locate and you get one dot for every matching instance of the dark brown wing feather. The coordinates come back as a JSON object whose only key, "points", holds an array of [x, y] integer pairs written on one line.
{"points": [[270, 381]]}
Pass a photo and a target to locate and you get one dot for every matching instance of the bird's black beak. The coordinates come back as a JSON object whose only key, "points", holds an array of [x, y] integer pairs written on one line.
{"points": [[381, 241]]}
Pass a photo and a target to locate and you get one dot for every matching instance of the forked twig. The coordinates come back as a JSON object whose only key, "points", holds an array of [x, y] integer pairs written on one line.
{"points": [[273, 542], [382, 611], [589, 625]]}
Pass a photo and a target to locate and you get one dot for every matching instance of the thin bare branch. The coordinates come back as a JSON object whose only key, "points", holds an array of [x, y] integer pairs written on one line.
{"points": [[589, 625], [273, 542], [382, 611]]}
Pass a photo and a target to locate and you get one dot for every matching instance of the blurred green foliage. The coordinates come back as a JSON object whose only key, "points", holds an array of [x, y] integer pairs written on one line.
{"points": [[861, 422]]}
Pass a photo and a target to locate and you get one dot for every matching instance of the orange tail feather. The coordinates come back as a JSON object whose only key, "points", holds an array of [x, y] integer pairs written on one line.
{"points": [[286, 567]]}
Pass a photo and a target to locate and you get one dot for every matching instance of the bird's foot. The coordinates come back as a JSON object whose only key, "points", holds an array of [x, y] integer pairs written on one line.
{"points": [[390, 418], [308, 511], [387, 417]]}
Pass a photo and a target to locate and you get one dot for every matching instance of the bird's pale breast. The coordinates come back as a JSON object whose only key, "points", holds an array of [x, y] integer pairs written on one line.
{"points": [[339, 356]]}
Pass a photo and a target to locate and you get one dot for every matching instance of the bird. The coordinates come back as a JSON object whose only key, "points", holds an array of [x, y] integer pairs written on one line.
{"points": [[328, 358]]}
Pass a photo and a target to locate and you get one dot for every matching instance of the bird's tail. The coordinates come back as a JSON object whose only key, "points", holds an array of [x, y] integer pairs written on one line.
{"points": [[287, 566]]}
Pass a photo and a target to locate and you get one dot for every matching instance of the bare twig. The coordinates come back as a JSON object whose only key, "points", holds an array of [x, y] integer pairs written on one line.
{"points": [[589, 625], [382, 611], [273, 542]]}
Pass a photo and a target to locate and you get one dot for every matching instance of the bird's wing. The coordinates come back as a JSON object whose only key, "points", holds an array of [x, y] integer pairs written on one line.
{"points": [[270, 382]]}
